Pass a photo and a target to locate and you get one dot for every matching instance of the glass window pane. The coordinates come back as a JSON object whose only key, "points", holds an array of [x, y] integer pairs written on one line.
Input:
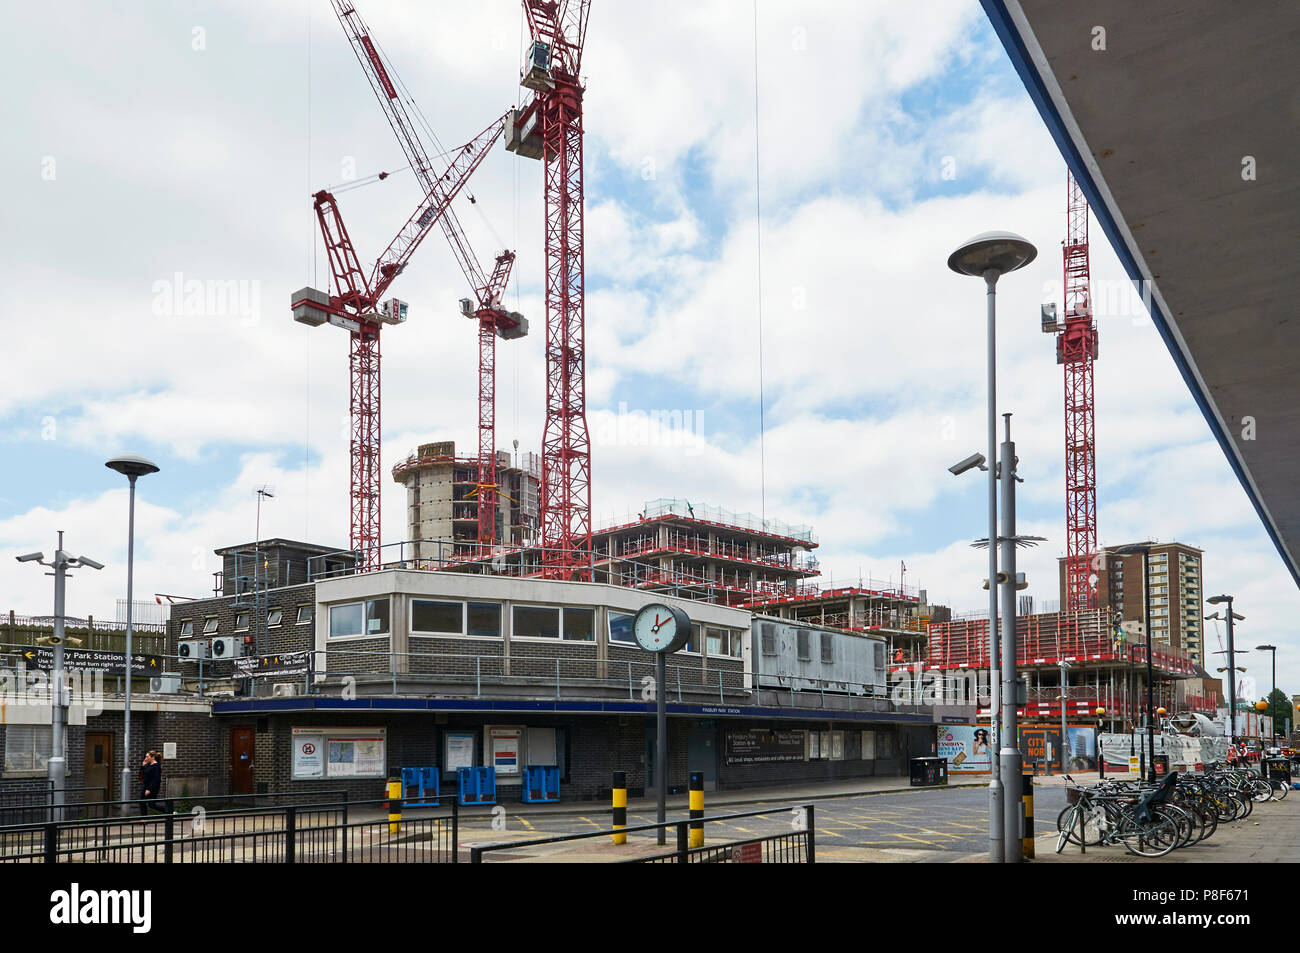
{"points": [[345, 620], [443, 617], [536, 622], [485, 619], [580, 625], [713, 639], [620, 628], [304, 614], [241, 621], [377, 617], [274, 616], [209, 626], [187, 627], [737, 644]]}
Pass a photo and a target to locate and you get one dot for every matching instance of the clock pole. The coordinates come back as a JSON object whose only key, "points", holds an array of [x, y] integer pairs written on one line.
{"points": [[661, 743]]}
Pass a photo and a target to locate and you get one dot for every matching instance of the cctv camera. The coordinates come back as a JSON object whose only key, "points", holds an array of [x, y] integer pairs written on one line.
{"points": [[30, 557], [87, 561], [974, 460]]}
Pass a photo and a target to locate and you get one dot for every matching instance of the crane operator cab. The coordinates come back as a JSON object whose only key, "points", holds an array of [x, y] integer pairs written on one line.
{"points": [[536, 73]]}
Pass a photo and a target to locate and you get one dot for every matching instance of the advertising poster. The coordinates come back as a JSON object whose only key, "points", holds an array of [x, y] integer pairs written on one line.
{"points": [[503, 750], [1041, 745], [968, 748], [338, 753], [458, 750]]}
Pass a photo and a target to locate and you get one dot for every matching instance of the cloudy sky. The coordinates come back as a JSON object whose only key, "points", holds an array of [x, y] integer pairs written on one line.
{"points": [[152, 145]]}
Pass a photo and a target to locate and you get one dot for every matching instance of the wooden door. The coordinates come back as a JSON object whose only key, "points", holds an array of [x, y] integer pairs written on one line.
{"points": [[98, 767], [241, 759]]}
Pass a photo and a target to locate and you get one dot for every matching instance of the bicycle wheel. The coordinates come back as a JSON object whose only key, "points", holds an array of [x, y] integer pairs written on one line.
{"points": [[1187, 828], [1154, 839], [1260, 790], [1280, 788], [1065, 824]]}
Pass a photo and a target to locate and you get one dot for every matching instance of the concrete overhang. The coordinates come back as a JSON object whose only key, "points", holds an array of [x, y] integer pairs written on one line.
{"points": [[1163, 129]]}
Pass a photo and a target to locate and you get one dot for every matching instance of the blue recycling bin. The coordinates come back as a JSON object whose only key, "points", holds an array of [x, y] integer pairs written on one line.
{"points": [[476, 785], [420, 787], [541, 784]]}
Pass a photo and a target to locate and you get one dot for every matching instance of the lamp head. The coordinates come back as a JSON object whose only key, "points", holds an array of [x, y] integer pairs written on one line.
{"points": [[1215, 600], [132, 465], [995, 251]]}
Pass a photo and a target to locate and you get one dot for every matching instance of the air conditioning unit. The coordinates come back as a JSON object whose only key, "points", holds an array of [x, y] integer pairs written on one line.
{"points": [[227, 647], [168, 683], [192, 650], [284, 689]]}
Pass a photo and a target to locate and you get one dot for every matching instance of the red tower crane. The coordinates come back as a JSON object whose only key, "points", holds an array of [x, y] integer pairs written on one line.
{"points": [[353, 306], [493, 321], [550, 128], [1076, 350]]}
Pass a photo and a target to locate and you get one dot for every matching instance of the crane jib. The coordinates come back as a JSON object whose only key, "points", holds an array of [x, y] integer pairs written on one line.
{"points": [[379, 67]]}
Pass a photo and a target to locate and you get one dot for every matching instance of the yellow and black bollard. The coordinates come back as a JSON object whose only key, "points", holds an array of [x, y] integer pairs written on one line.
{"points": [[697, 808], [1027, 798], [620, 806], [394, 805]]}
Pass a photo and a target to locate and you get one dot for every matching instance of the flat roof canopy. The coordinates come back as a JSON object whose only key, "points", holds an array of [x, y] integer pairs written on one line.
{"points": [[1184, 133]]}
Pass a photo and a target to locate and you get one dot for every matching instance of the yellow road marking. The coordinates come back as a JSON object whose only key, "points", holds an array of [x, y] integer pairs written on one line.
{"points": [[524, 821]]}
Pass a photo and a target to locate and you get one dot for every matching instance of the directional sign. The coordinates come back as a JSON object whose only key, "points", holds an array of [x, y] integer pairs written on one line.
{"points": [[88, 660], [264, 666]]}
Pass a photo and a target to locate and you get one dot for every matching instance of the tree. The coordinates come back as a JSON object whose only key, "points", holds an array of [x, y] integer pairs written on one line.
{"points": [[1281, 711]]}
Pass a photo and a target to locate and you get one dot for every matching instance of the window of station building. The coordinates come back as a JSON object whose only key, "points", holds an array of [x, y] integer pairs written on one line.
{"points": [[886, 745], [535, 622], [828, 647], [805, 645], [241, 621], [187, 627], [723, 642], [27, 748], [274, 617], [620, 628], [304, 614], [359, 618], [210, 625], [483, 619], [579, 624], [440, 618]]}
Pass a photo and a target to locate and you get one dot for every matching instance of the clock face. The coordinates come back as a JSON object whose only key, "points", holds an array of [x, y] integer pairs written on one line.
{"points": [[659, 628]]}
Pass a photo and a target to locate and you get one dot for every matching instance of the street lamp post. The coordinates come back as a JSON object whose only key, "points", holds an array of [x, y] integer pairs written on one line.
{"points": [[1229, 615], [991, 255], [132, 466], [1273, 650], [57, 766]]}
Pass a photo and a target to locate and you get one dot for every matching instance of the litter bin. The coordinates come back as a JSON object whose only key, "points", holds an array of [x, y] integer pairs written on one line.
{"points": [[929, 772], [1278, 769]]}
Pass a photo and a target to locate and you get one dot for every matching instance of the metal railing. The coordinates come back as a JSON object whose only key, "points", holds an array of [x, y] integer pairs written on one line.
{"points": [[83, 809], [567, 676], [309, 833], [797, 846]]}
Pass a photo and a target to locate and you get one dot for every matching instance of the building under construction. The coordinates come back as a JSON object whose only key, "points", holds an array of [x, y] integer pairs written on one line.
{"points": [[442, 501]]}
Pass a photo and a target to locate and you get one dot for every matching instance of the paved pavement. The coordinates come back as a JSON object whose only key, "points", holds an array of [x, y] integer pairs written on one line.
{"points": [[873, 819]]}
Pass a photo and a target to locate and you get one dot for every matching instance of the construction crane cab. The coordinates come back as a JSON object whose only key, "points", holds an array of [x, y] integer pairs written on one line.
{"points": [[536, 71], [393, 311]]}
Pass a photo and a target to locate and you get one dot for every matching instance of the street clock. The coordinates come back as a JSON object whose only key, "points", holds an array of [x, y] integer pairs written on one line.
{"points": [[661, 628]]}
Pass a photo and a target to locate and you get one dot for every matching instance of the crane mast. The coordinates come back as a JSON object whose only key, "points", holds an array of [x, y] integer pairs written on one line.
{"points": [[488, 289], [1076, 350], [550, 128]]}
